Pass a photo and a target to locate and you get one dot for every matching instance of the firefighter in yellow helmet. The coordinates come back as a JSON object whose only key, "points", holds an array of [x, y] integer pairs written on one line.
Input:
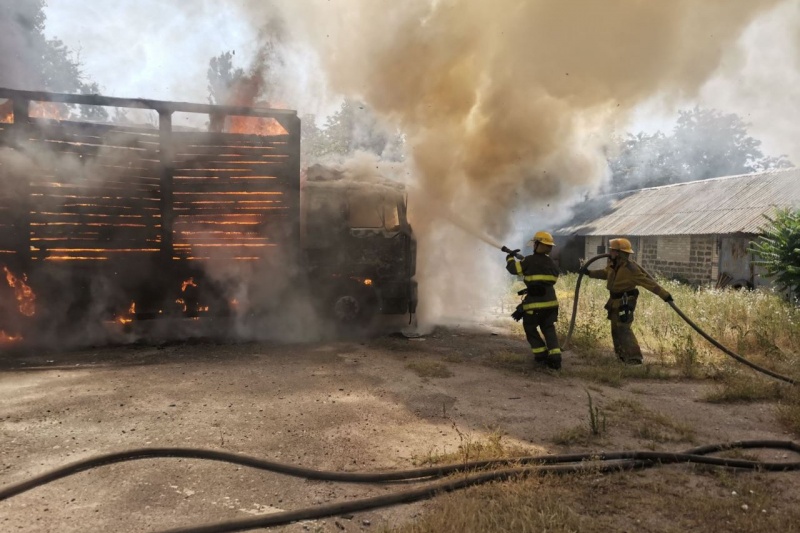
{"points": [[622, 276], [539, 308]]}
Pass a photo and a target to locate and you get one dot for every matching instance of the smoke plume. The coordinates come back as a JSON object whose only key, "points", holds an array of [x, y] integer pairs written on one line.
{"points": [[505, 104]]}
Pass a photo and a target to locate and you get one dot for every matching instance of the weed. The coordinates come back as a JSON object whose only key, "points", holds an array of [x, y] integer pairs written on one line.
{"points": [[597, 418], [686, 355], [583, 434], [514, 361], [650, 425], [570, 436], [429, 369], [788, 412], [469, 449], [745, 387], [675, 499]]}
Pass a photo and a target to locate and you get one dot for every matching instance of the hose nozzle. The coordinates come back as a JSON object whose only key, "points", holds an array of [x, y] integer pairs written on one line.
{"points": [[516, 253]]}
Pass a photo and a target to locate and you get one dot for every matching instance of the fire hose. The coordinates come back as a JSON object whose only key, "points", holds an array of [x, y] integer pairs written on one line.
{"points": [[683, 316], [474, 473], [595, 462]]}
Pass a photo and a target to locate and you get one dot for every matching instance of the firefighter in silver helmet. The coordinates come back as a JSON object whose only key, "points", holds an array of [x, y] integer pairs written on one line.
{"points": [[622, 276], [539, 308]]}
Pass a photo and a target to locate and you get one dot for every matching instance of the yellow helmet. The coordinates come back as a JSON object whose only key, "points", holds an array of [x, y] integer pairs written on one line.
{"points": [[623, 245], [544, 238]]}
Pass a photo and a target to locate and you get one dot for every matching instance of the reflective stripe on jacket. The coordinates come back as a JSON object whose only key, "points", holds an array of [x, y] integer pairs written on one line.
{"points": [[540, 275]]}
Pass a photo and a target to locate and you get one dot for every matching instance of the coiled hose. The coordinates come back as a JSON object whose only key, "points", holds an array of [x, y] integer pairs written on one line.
{"points": [[685, 318], [523, 466]]}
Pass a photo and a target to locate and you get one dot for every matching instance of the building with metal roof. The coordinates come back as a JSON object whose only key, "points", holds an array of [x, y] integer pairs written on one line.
{"points": [[697, 231]]}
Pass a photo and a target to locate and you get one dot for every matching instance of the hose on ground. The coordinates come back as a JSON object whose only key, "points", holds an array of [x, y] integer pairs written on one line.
{"points": [[560, 464], [685, 318]]}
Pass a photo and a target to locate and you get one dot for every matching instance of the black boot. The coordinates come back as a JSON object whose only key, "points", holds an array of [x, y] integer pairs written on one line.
{"points": [[554, 361]]}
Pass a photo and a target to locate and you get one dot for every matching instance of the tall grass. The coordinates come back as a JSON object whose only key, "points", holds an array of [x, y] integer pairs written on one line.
{"points": [[756, 324]]}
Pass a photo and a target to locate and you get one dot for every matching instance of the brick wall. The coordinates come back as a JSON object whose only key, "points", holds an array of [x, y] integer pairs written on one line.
{"points": [[591, 250], [687, 258]]}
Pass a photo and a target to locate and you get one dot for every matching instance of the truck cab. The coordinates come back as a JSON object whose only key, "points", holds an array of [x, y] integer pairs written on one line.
{"points": [[359, 246]]}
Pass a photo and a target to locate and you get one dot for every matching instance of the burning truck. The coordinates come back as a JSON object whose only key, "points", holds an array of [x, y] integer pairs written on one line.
{"points": [[122, 222]]}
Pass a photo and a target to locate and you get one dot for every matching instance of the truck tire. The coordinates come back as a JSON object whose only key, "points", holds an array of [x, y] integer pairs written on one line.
{"points": [[352, 305]]}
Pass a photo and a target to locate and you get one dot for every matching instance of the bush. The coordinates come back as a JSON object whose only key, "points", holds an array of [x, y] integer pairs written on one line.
{"points": [[778, 249]]}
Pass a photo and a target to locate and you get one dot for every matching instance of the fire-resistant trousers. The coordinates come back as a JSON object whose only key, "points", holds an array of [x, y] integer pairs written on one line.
{"points": [[625, 344], [544, 320]]}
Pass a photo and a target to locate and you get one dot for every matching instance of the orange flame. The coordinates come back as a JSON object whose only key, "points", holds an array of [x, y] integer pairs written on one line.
{"points": [[7, 338], [26, 299], [188, 283], [262, 126], [127, 318], [6, 112], [49, 110]]}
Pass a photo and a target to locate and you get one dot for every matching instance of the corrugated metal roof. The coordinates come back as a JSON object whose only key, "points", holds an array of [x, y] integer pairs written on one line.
{"points": [[732, 204]]}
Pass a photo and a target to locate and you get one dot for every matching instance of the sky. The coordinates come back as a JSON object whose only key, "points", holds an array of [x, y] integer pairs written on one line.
{"points": [[149, 48]]}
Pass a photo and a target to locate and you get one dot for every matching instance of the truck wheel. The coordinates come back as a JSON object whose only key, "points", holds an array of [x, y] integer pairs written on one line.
{"points": [[346, 309], [352, 306]]}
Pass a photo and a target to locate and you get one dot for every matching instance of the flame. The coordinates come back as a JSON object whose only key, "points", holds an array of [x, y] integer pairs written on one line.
{"points": [[6, 112], [7, 338], [181, 301], [26, 299], [188, 283], [49, 110], [261, 126], [127, 318]]}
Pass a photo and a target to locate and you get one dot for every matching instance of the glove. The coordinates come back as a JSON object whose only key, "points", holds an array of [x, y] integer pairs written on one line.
{"points": [[668, 298], [512, 255], [517, 315]]}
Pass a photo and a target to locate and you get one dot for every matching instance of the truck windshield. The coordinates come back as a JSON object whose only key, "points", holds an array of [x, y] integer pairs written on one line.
{"points": [[373, 211]]}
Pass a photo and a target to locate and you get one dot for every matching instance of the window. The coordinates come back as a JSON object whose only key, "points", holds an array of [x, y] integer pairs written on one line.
{"points": [[372, 211]]}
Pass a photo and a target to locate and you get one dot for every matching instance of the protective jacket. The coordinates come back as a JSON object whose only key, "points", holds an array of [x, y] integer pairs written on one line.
{"points": [[624, 275], [540, 275]]}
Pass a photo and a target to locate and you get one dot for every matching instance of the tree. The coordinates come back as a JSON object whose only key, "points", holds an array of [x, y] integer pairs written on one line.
{"points": [[778, 249], [222, 76], [705, 143], [40, 63], [355, 127]]}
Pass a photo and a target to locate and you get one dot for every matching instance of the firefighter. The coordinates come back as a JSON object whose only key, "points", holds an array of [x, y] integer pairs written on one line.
{"points": [[539, 308], [622, 276]]}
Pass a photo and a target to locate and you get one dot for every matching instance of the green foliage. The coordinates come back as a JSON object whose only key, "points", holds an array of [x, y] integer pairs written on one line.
{"points": [[354, 127], [705, 143], [778, 249], [45, 64]]}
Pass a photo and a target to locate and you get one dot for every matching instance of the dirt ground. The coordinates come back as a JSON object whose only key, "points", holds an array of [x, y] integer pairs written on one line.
{"points": [[341, 405]]}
